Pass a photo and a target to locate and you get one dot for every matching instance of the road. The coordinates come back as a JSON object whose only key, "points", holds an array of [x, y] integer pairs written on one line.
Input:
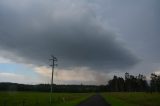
{"points": [[95, 100]]}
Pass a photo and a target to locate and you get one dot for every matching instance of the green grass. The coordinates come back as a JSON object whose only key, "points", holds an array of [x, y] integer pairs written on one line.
{"points": [[41, 99], [132, 99], [72, 99]]}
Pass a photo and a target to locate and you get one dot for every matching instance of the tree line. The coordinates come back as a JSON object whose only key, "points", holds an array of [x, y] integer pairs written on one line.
{"points": [[134, 83], [56, 88], [129, 83]]}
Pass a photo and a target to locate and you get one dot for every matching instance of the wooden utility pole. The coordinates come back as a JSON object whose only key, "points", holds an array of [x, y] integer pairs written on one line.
{"points": [[54, 60]]}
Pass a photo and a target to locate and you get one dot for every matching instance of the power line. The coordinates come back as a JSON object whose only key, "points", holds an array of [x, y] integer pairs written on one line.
{"points": [[54, 60]]}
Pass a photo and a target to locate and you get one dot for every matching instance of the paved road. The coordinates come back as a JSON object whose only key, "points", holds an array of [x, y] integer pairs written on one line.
{"points": [[96, 100]]}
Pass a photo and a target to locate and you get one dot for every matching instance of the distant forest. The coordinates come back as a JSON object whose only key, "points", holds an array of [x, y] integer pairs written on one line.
{"points": [[118, 84]]}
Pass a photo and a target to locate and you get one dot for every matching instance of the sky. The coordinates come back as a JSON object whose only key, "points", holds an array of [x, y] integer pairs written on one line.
{"points": [[92, 39]]}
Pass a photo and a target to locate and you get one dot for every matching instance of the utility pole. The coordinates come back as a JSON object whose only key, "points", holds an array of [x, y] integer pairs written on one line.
{"points": [[54, 60]]}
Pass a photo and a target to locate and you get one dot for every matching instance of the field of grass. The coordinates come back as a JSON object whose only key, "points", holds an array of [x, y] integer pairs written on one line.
{"points": [[72, 99], [132, 99], [41, 99]]}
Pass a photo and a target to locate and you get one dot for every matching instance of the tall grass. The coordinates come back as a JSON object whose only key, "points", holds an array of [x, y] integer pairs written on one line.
{"points": [[132, 99], [41, 99]]}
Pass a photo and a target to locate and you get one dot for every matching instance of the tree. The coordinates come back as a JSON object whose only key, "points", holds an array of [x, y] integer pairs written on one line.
{"points": [[131, 83], [155, 82]]}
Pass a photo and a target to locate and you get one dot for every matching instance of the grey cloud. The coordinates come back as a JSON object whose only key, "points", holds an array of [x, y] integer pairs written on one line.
{"points": [[138, 24], [69, 30]]}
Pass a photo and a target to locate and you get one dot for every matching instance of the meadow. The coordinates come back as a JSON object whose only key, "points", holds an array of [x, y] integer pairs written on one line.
{"points": [[73, 99], [41, 99], [132, 99]]}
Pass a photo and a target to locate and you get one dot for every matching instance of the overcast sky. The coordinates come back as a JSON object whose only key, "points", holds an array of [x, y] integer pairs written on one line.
{"points": [[92, 39]]}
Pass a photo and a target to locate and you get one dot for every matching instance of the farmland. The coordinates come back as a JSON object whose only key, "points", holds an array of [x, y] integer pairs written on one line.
{"points": [[41, 99], [73, 99], [132, 99]]}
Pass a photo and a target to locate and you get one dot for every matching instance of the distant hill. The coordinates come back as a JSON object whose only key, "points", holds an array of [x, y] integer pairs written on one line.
{"points": [[8, 86]]}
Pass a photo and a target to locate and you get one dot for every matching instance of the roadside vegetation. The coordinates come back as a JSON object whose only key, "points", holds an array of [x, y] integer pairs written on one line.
{"points": [[41, 99], [132, 99]]}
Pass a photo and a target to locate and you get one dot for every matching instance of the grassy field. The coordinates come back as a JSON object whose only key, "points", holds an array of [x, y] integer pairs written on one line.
{"points": [[132, 99], [41, 99], [72, 99]]}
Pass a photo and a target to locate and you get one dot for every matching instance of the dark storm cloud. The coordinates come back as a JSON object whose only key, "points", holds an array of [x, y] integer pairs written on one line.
{"points": [[67, 29], [138, 22]]}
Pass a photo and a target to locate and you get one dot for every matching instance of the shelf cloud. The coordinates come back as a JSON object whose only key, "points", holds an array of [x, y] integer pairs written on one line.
{"points": [[31, 31]]}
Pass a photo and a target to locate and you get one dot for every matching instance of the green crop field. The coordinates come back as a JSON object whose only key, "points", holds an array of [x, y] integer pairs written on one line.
{"points": [[72, 99], [132, 99], [41, 99]]}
